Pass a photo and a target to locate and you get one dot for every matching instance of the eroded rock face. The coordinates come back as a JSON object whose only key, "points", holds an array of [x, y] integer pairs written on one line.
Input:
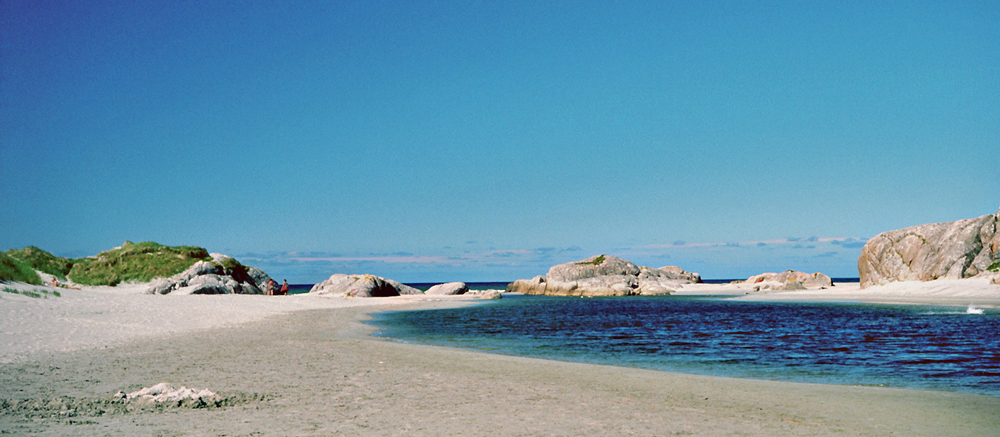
{"points": [[211, 277], [950, 250], [604, 275], [362, 286], [789, 280]]}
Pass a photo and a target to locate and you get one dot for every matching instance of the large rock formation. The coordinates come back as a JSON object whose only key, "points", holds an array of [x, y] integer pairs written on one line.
{"points": [[222, 275], [951, 250], [362, 286], [604, 275], [789, 280]]}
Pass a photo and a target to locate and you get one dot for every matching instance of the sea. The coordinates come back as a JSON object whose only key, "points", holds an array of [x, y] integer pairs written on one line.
{"points": [[902, 346]]}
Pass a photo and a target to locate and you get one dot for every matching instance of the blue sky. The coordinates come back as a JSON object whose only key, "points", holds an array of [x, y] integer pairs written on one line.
{"points": [[434, 141]]}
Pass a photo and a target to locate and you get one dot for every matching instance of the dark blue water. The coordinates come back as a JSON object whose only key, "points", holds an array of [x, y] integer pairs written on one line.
{"points": [[299, 288], [853, 344]]}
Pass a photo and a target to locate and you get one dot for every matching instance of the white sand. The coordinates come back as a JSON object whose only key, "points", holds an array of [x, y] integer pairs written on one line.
{"points": [[107, 316], [963, 292]]}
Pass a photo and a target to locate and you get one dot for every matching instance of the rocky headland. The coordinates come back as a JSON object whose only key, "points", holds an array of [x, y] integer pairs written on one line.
{"points": [[605, 275], [222, 275], [951, 250]]}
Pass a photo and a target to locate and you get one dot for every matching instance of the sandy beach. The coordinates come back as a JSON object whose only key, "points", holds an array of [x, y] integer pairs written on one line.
{"points": [[959, 293], [307, 365]]}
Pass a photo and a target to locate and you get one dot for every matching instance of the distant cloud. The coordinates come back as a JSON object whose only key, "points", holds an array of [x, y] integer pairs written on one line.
{"points": [[850, 243], [796, 242], [503, 254], [826, 255]]}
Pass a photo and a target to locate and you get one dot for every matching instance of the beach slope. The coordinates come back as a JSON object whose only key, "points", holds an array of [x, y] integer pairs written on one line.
{"points": [[319, 372]]}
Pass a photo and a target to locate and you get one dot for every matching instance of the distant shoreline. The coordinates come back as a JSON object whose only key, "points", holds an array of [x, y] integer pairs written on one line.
{"points": [[483, 285]]}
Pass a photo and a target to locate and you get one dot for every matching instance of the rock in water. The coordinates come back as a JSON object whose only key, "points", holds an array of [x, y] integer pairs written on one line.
{"points": [[950, 250], [451, 288], [362, 286], [604, 275]]}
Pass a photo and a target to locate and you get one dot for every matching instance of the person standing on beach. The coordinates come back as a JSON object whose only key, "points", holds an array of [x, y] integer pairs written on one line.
{"points": [[270, 287], [284, 287]]}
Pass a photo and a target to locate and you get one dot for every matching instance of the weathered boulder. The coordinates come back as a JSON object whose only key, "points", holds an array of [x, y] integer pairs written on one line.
{"points": [[486, 294], [789, 280], [604, 275], [675, 272], [222, 275], [595, 266], [950, 250], [450, 288], [362, 286]]}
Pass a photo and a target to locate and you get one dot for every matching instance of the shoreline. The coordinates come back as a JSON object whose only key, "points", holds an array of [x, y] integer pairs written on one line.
{"points": [[942, 292], [107, 316], [320, 372]]}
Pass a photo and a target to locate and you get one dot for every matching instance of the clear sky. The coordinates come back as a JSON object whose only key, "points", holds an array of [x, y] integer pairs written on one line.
{"points": [[439, 140]]}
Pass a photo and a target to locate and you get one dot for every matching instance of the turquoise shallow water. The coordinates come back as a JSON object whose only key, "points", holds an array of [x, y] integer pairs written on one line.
{"points": [[921, 347]]}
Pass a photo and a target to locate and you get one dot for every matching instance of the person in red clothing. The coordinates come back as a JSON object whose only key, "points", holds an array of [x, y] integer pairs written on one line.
{"points": [[284, 287]]}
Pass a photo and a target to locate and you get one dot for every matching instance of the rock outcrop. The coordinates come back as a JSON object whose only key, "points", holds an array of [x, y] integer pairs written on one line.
{"points": [[362, 286], [951, 250], [789, 280], [222, 275], [450, 288], [486, 294], [604, 275]]}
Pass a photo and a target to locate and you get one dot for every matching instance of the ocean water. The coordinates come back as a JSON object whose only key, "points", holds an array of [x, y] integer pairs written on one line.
{"points": [[903, 346]]}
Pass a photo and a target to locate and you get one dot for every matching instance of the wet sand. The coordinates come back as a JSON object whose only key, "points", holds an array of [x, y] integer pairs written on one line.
{"points": [[319, 372]]}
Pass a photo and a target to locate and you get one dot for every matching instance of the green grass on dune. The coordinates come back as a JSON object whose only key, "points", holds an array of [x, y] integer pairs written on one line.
{"points": [[36, 293], [12, 269], [137, 262], [42, 261]]}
